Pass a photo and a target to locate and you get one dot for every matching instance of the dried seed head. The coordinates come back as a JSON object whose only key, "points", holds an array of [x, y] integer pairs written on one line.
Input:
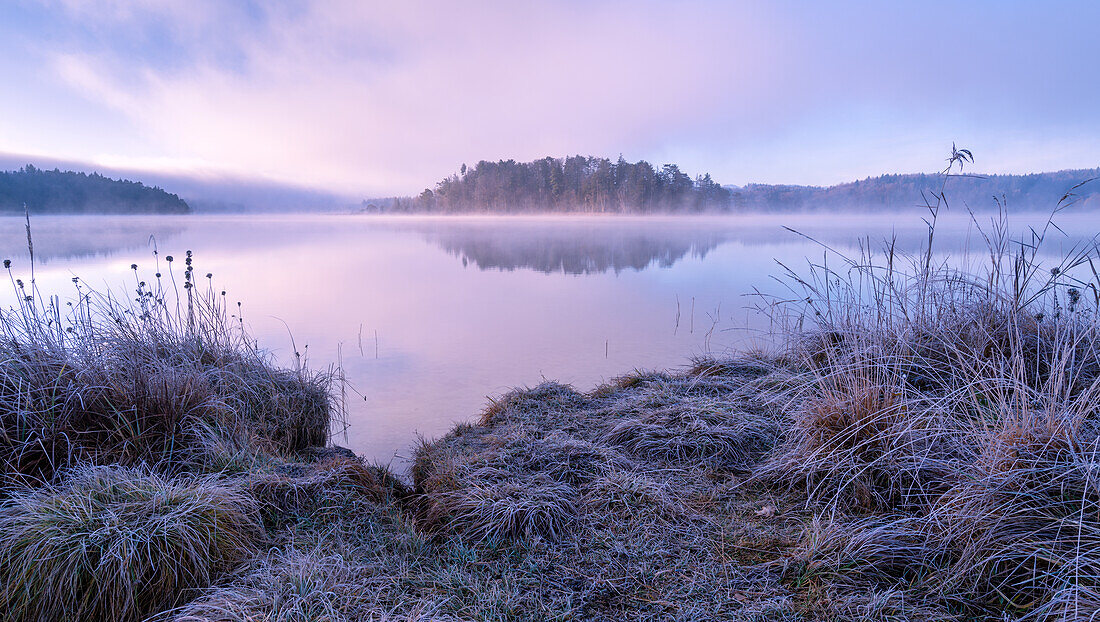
{"points": [[169, 258], [7, 263], [133, 266]]}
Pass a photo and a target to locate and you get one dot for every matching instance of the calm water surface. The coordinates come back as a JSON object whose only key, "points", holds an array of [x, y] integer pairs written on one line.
{"points": [[430, 316]]}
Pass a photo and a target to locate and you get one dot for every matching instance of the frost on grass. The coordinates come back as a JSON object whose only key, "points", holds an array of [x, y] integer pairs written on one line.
{"points": [[113, 543]]}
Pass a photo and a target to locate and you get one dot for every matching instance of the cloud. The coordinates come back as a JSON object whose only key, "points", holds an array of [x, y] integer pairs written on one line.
{"points": [[394, 96], [383, 97]]}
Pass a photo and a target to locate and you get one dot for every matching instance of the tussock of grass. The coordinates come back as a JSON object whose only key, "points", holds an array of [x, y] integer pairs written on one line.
{"points": [[867, 552], [1022, 517], [517, 474], [860, 441], [755, 365], [314, 492], [111, 398], [689, 420], [546, 399], [607, 529], [143, 380], [114, 543], [695, 437], [495, 505], [505, 486], [627, 496], [954, 412], [164, 385]]}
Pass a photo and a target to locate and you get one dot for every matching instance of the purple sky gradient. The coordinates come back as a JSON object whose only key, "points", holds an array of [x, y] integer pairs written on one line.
{"points": [[369, 99]]}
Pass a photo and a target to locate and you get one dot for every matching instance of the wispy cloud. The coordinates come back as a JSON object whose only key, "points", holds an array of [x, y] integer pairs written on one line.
{"points": [[392, 97]]}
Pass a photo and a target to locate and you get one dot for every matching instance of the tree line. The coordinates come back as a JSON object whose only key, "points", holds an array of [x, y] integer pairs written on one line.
{"points": [[572, 184], [977, 192], [58, 191], [590, 184]]}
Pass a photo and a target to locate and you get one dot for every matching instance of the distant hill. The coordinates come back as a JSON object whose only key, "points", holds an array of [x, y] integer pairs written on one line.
{"points": [[976, 191], [57, 192], [207, 191]]}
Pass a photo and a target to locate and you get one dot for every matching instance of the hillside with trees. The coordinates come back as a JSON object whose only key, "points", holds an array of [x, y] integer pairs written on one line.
{"points": [[573, 184], [977, 191], [58, 192]]}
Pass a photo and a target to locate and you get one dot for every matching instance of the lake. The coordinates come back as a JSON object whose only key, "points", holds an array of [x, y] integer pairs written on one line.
{"points": [[431, 316]]}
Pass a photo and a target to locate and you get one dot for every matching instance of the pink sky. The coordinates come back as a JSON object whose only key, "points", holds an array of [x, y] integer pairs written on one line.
{"points": [[375, 98]]}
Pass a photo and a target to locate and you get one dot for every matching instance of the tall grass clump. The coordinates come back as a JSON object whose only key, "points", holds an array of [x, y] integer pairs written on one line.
{"points": [[963, 399], [490, 486], [118, 543], [144, 377], [1022, 518], [861, 440]]}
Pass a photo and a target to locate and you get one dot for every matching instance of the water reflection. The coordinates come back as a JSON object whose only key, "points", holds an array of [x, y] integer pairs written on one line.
{"points": [[593, 245], [64, 238], [575, 248]]}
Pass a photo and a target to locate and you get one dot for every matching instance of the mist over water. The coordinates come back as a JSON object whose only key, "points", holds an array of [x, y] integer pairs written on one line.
{"points": [[429, 316]]}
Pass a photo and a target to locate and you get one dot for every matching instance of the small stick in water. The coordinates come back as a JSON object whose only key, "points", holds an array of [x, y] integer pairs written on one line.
{"points": [[677, 327]]}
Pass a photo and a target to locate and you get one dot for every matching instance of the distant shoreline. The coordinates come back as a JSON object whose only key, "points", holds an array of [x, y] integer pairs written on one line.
{"points": [[31, 190], [557, 185]]}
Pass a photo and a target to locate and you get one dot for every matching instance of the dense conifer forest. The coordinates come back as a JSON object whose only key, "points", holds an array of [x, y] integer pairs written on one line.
{"points": [[573, 184], [56, 192]]}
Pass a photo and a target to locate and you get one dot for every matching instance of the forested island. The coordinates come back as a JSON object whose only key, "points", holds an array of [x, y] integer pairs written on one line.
{"points": [[62, 192], [573, 184], [600, 185]]}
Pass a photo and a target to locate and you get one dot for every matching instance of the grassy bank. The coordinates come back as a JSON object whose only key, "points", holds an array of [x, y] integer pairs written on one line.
{"points": [[923, 443]]}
